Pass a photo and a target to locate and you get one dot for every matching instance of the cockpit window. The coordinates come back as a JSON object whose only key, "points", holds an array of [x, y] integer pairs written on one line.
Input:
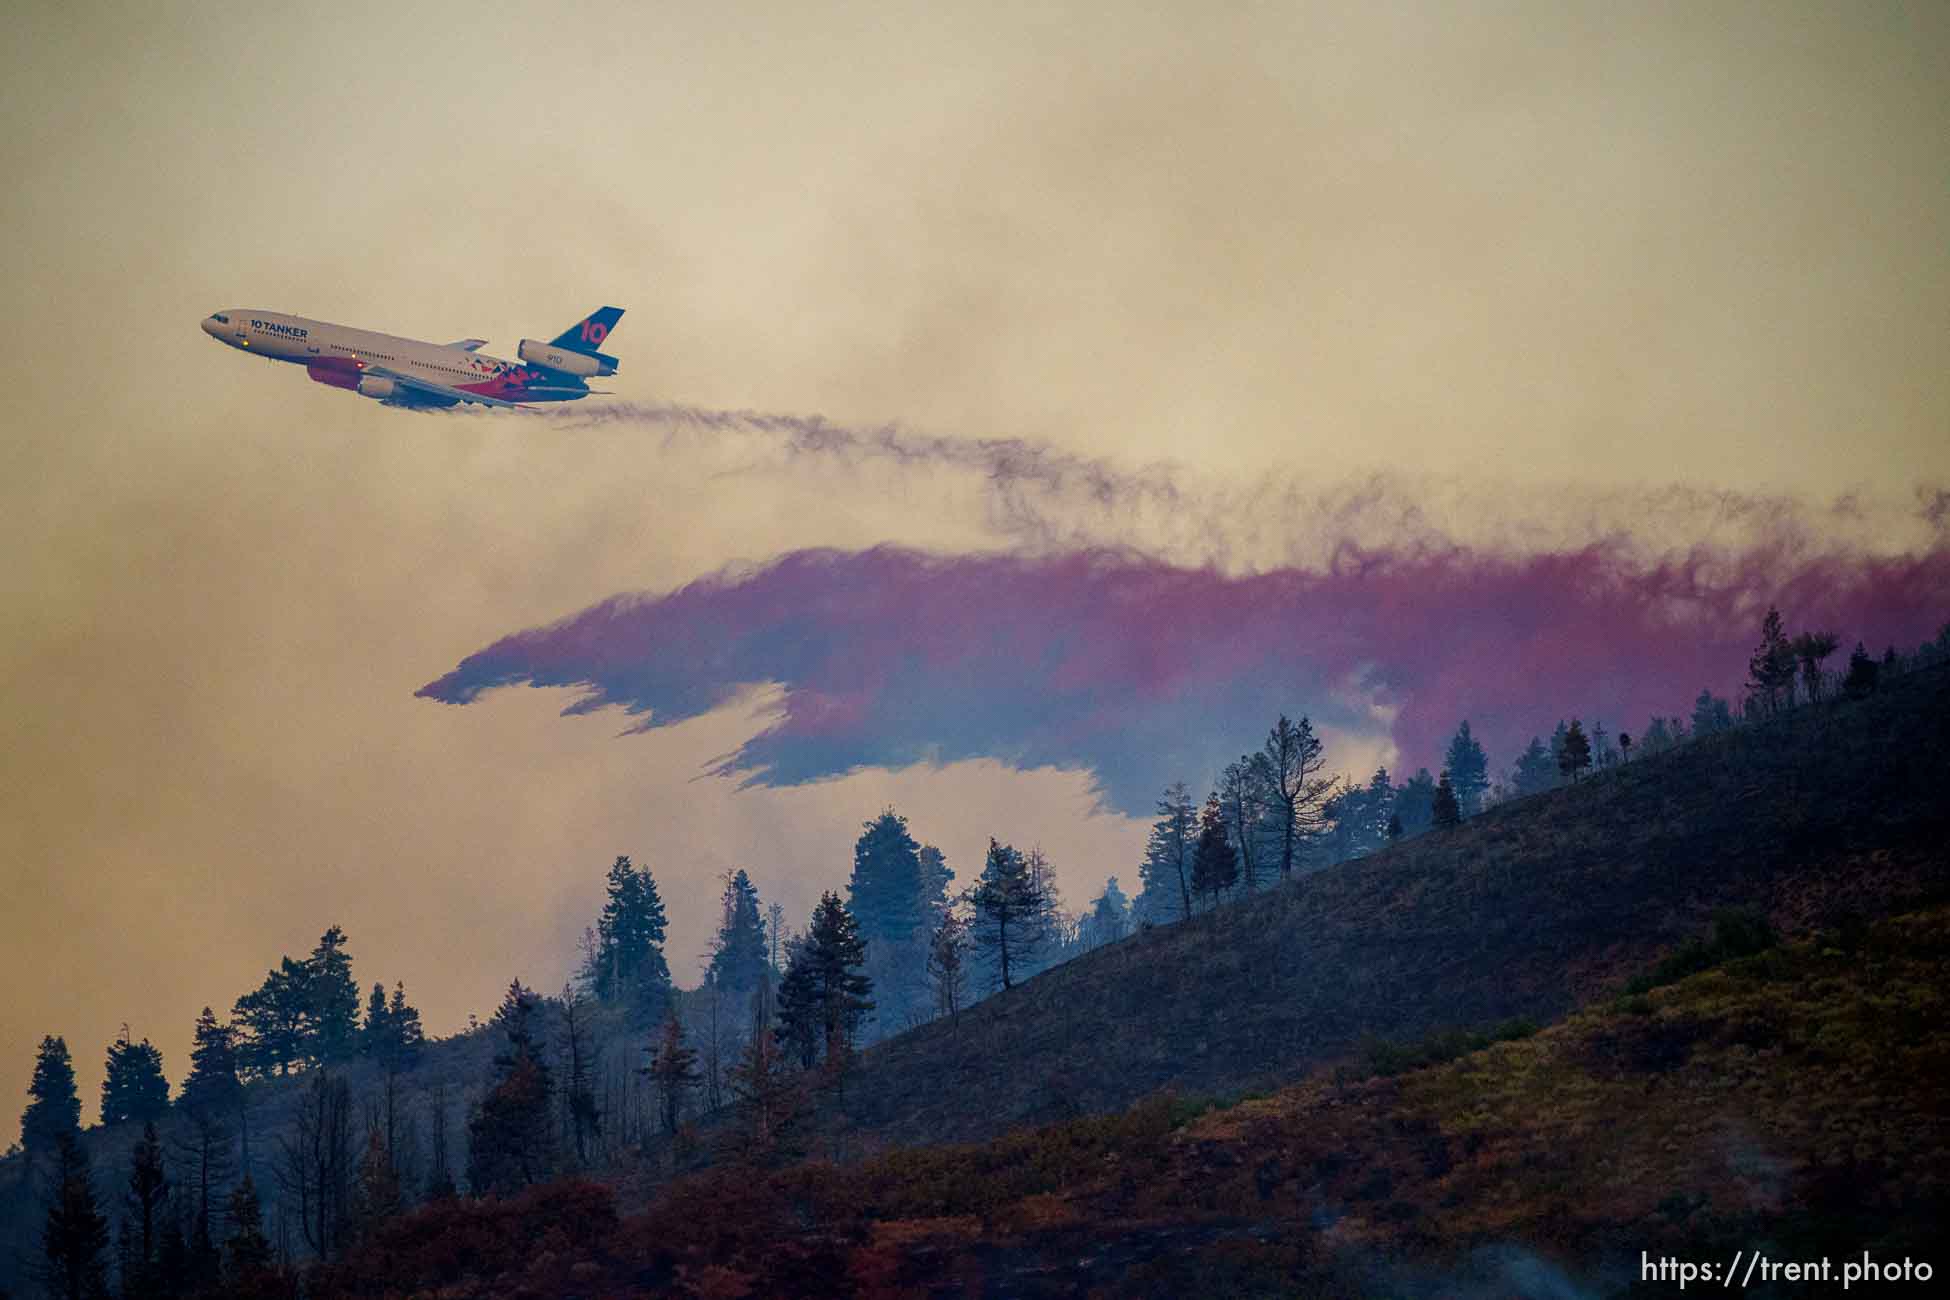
{"points": [[221, 319]]}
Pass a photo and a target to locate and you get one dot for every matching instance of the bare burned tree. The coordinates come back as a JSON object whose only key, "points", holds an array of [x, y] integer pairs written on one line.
{"points": [[579, 1092], [1243, 790], [440, 1178], [1294, 759], [315, 1163], [948, 964]]}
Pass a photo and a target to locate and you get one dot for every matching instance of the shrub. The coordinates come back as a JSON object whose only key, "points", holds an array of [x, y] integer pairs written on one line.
{"points": [[1736, 933], [1389, 1059]]}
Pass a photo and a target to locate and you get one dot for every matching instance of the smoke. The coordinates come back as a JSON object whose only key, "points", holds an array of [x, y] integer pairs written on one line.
{"points": [[1144, 671], [1501, 1270], [1042, 499], [1030, 483]]}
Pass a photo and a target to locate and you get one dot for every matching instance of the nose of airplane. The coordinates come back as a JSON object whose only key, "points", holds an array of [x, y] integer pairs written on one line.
{"points": [[211, 326]]}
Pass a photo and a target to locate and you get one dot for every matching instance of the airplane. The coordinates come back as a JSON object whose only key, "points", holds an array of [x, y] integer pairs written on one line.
{"points": [[415, 374]]}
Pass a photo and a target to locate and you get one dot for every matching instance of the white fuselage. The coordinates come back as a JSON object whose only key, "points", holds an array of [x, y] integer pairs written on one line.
{"points": [[295, 338], [362, 360]]}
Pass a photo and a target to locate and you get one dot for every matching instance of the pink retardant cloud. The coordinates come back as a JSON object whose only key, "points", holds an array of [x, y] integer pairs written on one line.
{"points": [[1145, 672]]}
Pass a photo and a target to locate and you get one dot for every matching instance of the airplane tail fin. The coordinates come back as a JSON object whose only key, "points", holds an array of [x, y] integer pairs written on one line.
{"points": [[587, 334]]}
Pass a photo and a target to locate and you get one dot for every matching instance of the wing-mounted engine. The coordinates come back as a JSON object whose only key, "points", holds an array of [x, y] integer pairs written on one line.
{"points": [[583, 365], [335, 371]]}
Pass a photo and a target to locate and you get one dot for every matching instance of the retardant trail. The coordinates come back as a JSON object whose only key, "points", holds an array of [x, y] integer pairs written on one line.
{"points": [[1145, 671]]}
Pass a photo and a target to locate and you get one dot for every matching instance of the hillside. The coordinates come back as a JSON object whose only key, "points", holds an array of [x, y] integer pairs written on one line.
{"points": [[1534, 909], [1531, 909], [1793, 1102]]}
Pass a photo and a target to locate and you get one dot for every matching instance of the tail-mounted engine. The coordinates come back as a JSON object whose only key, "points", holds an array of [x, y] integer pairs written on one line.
{"points": [[585, 365]]}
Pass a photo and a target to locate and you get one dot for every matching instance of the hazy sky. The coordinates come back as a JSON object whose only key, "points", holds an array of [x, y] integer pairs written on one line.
{"points": [[1545, 261]]}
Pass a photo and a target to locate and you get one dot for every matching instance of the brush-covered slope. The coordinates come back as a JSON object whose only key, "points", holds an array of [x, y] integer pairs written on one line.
{"points": [[1792, 1102], [1529, 909]]}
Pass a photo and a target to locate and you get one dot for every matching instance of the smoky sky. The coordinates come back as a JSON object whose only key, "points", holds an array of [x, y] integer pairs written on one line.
{"points": [[1522, 279], [1145, 672]]}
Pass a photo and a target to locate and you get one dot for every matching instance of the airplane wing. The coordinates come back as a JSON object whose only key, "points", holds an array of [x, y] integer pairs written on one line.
{"points": [[468, 345], [432, 389]]}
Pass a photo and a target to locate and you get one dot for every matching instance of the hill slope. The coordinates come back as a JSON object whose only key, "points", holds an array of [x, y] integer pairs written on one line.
{"points": [[1530, 909], [1793, 1103]]}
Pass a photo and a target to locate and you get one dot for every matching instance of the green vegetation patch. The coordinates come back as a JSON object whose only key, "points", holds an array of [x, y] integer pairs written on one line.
{"points": [[1736, 933], [1388, 1059]]}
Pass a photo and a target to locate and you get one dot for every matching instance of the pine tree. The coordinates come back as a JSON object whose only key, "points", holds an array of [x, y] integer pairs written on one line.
{"points": [[1770, 670], [275, 1021], [248, 1248], [376, 1035], [212, 1087], [1294, 758], [212, 1095], [203, 1163], [53, 1109], [1053, 923], [1537, 770], [392, 1035], [1660, 736], [1576, 755], [1215, 864], [936, 878], [74, 1237], [1863, 674], [767, 1100], [775, 937], [1343, 813], [628, 967], [1357, 818], [1415, 803], [509, 1146], [148, 1186], [619, 947], [1394, 826], [334, 999], [673, 1068], [1009, 912], [408, 1037], [1469, 771], [887, 893], [133, 1086], [1604, 753], [738, 957], [376, 1194], [1446, 810], [1380, 807], [837, 955], [1166, 871], [176, 1273], [1711, 714], [1110, 915], [799, 1019], [1810, 649]]}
